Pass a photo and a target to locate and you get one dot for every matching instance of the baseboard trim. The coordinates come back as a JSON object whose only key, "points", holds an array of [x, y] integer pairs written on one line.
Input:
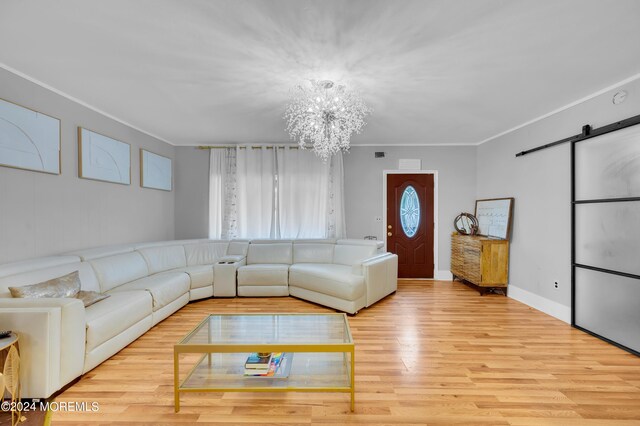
{"points": [[549, 307], [444, 275]]}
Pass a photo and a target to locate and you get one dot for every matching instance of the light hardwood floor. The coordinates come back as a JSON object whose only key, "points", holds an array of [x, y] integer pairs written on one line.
{"points": [[433, 353]]}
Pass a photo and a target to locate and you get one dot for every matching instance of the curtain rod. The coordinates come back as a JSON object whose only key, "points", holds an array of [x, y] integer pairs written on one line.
{"points": [[245, 147]]}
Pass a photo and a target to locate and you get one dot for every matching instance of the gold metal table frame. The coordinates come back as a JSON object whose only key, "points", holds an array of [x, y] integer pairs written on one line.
{"points": [[322, 346]]}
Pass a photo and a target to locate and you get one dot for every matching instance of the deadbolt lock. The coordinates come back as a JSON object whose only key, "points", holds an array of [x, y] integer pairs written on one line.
{"points": [[389, 226]]}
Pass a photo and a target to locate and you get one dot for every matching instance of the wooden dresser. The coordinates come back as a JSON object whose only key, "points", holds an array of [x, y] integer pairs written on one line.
{"points": [[481, 261]]}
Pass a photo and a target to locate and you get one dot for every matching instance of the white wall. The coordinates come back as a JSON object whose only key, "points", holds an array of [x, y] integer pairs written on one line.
{"points": [[540, 182], [43, 214], [456, 166], [192, 193]]}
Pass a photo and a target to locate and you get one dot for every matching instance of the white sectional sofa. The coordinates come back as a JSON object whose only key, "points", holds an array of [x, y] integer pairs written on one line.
{"points": [[60, 339]]}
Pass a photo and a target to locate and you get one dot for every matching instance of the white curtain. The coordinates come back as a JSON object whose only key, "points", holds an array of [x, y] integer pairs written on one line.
{"points": [[336, 227], [222, 194], [275, 193], [216, 192], [255, 193], [303, 194]]}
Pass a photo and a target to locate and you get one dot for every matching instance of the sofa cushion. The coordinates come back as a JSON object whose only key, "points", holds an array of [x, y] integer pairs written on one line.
{"points": [[141, 246], [263, 274], [67, 285], [110, 317], [270, 253], [330, 279], [113, 271], [164, 258], [31, 265], [200, 275], [88, 280], [315, 241], [206, 253], [164, 287], [98, 252], [313, 253], [352, 254], [238, 247], [90, 297]]}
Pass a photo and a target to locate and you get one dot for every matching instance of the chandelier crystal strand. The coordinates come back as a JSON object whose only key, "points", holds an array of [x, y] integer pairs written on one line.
{"points": [[322, 116]]}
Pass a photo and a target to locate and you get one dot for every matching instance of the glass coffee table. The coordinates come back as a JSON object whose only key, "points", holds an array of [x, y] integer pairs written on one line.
{"points": [[319, 351]]}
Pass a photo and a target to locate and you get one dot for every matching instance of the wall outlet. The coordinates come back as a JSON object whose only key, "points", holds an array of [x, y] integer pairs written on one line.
{"points": [[556, 286], [378, 219]]}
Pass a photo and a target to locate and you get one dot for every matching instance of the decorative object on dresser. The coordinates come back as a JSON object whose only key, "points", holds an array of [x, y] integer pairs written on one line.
{"points": [[466, 224], [481, 261]]}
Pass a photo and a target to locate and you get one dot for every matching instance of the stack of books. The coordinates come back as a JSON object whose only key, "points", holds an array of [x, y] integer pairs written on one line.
{"points": [[263, 366]]}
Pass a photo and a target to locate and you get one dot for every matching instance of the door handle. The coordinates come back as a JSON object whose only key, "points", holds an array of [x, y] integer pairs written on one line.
{"points": [[389, 234]]}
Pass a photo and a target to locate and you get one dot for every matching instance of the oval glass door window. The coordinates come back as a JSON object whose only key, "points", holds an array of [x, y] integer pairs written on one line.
{"points": [[410, 211]]}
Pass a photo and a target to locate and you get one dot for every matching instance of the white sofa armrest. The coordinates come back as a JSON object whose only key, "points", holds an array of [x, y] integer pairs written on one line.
{"points": [[380, 276], [357, 268], [51, 335], [224, 275]]}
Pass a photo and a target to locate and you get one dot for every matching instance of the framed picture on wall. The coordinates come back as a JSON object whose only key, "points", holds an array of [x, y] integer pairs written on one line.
{"points": [[29, 139], [155, 171], [103, 158]]}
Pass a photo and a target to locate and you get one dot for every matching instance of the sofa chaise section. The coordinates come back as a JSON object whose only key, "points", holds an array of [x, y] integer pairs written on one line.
{"points": [[343, 276]]}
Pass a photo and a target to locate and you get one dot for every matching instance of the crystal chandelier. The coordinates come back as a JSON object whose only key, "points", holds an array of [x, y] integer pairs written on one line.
{"points": [[323, 116]]}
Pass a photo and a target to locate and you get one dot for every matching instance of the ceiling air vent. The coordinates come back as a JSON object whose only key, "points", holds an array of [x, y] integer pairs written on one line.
{"points": [[379, 154]]}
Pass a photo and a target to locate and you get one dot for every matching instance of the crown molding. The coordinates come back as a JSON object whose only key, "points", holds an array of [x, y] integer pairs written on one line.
{"points": [[410, 144], [80, 102], [513, 129], [556, 111]]}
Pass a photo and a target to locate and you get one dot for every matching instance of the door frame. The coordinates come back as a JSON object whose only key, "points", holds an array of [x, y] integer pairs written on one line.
{"points": [[385, 173]]}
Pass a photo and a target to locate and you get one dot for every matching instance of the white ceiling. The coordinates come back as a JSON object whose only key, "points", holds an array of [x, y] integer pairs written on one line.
{"points": [[435, 72]]}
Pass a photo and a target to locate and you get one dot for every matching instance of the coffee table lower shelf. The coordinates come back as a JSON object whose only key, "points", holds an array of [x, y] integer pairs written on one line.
{"points": [[224, 372]]}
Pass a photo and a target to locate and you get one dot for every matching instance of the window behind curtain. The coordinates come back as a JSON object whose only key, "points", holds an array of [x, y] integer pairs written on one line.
{"points": [[274, 193]]}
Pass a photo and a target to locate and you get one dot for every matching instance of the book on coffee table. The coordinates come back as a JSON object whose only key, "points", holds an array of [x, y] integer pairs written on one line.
{"points": [[258, 363], [279, 367]]}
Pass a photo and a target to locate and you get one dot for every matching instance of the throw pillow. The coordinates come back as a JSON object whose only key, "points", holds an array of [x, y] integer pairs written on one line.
{"points": [[65, 286], [90, 297]]}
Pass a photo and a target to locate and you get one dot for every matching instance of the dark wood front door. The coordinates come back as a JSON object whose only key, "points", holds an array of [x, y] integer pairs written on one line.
{"points": [[410, 223]]}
